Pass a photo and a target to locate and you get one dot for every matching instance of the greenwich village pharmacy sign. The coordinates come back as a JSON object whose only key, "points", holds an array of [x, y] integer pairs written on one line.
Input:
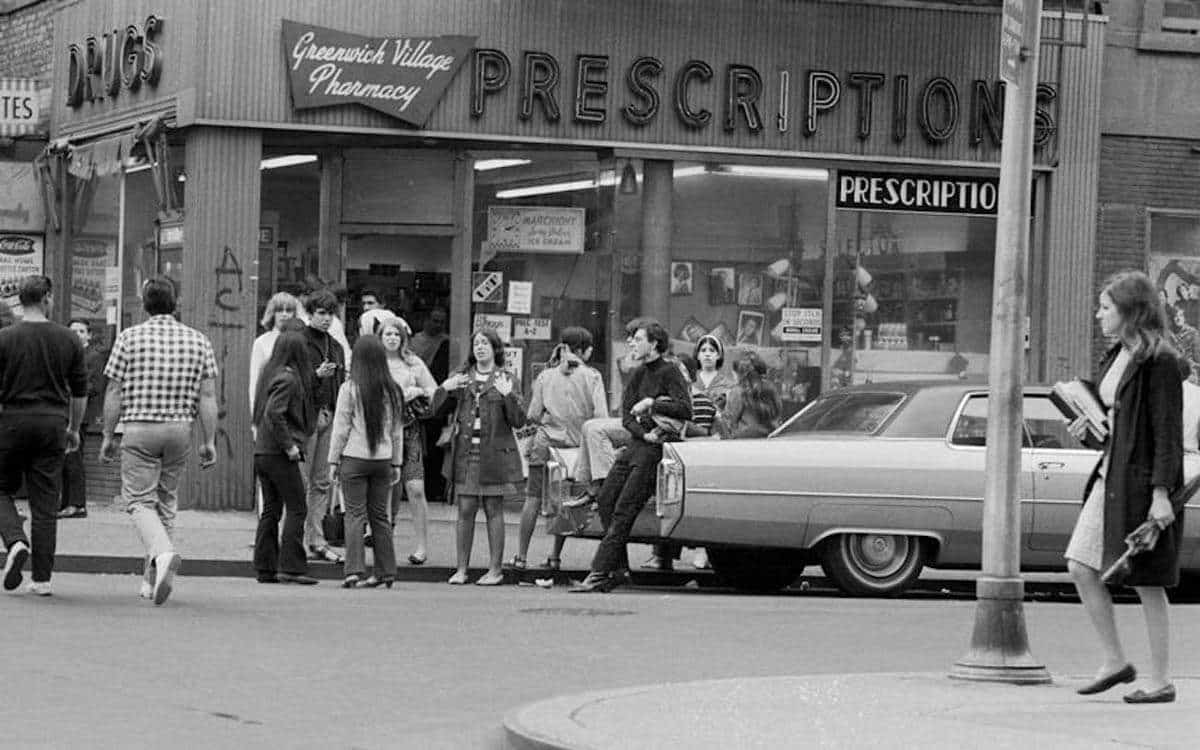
{"points": [[403, 77]]}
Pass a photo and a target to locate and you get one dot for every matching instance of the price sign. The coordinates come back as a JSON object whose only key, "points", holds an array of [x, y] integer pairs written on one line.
{"points": [[801, 324], [487, 286], [531, 329], [501, 324]]}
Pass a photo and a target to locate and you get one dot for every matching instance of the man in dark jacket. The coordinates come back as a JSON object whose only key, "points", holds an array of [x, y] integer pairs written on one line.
{"points": [[74, 483], [43, 392], [329, 365], [653, 409]]}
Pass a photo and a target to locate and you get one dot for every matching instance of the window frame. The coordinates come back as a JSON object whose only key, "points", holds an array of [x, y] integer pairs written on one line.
{"points": [[1161, 33]]}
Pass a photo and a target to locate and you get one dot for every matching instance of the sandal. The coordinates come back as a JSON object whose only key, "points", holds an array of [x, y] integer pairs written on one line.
{"points": [[351, 581], [490, 579], [457, 579], [552, 563], [415, 559], [518, 563]]}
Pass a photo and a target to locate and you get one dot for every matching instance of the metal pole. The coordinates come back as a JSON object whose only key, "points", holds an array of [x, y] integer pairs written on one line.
{"points": [[999, 649]]}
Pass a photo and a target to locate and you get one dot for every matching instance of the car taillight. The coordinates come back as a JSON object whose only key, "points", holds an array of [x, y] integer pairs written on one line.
{"points": [[668, 502], [557, 488]]}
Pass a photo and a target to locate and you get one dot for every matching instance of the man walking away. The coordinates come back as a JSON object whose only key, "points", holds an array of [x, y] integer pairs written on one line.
{"points": [[43, 393], [161, 377]]}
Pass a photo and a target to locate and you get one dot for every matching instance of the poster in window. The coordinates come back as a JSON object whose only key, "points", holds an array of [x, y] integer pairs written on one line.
{"points": [[721, 286], [681, 279], [749, 330], [750, 289], [90, 257], [20, 256], [1175, 270]]}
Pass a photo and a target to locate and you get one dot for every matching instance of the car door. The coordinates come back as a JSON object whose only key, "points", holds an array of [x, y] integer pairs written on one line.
{"points": [[1061, 467], [968, 442]]}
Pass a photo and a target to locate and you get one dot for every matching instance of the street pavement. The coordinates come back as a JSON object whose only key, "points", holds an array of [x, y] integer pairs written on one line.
{"points": [[229, 663]]}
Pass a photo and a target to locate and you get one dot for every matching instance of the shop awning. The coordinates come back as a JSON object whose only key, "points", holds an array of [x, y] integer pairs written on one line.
{"points": [[102, 157]]}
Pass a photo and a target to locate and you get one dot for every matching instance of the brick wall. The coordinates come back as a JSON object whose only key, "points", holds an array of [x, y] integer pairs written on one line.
{"points": [[27, 40], [1136, 175]]}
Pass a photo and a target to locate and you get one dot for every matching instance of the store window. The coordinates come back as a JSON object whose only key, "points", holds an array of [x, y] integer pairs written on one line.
{"points": [[912, 295], [289, 226], [152, 241], [748, 267], [1170, 26], [1174, 250], [542, 256]]}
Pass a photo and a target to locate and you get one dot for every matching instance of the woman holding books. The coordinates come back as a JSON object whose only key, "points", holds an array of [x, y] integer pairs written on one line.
{"points": [[1136, 481]]}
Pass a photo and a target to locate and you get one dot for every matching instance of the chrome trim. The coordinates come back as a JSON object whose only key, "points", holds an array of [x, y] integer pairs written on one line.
{"points": [[839, 530], [854, 495]]}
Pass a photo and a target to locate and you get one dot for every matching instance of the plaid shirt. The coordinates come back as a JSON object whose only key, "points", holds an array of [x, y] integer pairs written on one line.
{"points": [[160, 364]]}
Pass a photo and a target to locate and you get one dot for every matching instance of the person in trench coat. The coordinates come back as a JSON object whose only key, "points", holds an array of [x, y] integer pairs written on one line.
{"points": [[1137, 479]]}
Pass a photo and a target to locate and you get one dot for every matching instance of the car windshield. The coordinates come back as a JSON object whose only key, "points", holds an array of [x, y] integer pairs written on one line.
{"points": [[844, 412]]}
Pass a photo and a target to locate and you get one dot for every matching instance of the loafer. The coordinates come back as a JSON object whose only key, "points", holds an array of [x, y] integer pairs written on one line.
{"points": [[297, 578], [1162, 695], [268, 578], [1125, 674]]}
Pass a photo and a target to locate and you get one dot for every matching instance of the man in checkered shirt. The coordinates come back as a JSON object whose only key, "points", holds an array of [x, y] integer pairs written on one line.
{"points": [[161, 377]]}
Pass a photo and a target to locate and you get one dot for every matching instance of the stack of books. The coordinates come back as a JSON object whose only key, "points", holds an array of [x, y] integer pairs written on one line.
{"points": [[1076, 399]]}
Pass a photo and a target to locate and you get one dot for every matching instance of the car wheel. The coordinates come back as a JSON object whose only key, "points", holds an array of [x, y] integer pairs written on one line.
{"points": [[873, 564], [760, 571]]}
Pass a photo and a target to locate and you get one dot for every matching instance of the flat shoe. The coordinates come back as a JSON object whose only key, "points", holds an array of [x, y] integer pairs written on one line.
{"points": [[296, 578], [415, 559], [486, 580], [1162, 695], [1125, 674], [457, 579], [267, 578]]}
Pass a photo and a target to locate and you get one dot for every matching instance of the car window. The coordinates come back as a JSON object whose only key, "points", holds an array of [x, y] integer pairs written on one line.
{"points": [[971, 427], [1047, 428], [845, 412]]}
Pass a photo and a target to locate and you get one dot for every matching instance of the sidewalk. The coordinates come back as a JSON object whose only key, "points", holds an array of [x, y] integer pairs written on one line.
{"points": [[220, 543], [851, 711]]}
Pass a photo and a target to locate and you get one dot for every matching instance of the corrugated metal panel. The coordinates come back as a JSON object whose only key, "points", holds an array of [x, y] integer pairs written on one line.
{"points": [[245, 70], [222, 205], [180, 42], [1071, 235]]}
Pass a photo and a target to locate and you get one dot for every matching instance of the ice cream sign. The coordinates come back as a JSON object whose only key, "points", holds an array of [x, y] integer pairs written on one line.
{"points": [[402, 76]]}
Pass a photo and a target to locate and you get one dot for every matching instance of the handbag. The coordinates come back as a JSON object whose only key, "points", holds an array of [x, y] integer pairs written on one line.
{"points": [[416, 409], [333, 525]]}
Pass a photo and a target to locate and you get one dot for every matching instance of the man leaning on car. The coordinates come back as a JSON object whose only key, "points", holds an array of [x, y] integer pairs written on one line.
{"points": [[656, 404]]}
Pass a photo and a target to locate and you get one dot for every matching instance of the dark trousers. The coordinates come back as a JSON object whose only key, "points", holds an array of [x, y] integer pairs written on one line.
{"points": [[282, 488], [435, 483], [367, 490], [629, 484], [74, 487], [31, 448]]}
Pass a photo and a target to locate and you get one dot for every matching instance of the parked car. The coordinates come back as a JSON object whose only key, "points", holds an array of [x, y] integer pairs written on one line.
{"points": [[873, 482]]}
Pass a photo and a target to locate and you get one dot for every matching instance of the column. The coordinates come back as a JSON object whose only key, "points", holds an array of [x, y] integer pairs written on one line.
{"points": [[657, 194], [222, 206]]}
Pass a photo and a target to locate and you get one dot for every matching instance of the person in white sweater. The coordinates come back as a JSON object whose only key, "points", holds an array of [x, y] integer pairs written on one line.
{"points": [[366, 453], [280, 309]]}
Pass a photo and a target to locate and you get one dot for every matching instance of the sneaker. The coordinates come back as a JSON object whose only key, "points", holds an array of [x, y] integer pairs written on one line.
{"points": [[18, 553], [147, 590], [165, 566], [39, 588]]}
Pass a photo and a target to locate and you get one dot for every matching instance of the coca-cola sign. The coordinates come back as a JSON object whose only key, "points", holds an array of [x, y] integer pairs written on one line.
{"points": [[401, 76], [17, 244]]}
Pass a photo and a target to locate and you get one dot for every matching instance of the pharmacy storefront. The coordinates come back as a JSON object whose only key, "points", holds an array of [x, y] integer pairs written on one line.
{"points": [[813, 181]]}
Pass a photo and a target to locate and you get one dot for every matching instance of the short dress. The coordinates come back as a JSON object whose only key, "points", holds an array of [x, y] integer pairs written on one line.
{"points": [[1087, 540], [466, 462]]}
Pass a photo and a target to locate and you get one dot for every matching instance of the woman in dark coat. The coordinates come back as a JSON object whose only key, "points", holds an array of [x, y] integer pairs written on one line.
{"points": [[1141, 469], [484, 463]]}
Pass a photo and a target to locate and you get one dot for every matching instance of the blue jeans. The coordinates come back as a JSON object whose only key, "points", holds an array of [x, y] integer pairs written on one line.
{"points": [[367, 489], [153, 455], [626, 489], [31, 448], [315, 473]]}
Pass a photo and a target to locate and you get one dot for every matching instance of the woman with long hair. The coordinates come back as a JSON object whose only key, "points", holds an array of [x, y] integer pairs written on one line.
{"points": [[712, 379], [279, 310], [753, 406], [484, 463], [418, 386], [284, 418], [366, 453], [1133, 491]]}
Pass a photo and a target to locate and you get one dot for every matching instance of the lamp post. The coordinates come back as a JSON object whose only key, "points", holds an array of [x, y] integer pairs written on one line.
{"points": [[999, 650]]}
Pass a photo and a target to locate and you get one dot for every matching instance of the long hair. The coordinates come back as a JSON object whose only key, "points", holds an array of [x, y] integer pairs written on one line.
{"points": [[493, 339], [376, 389], [759, 394], [279, 302], [290, 351], [1143, 319], [405, 352]]}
